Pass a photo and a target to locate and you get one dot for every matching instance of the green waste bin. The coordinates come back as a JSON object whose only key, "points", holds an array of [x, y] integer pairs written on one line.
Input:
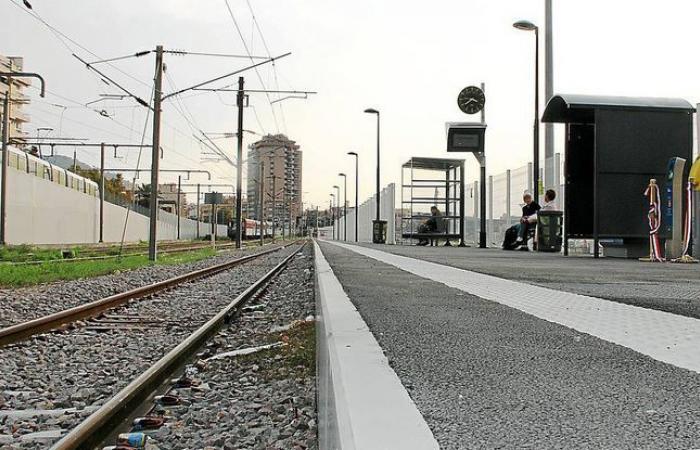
{"points": [[549, 231], [379, 231]]}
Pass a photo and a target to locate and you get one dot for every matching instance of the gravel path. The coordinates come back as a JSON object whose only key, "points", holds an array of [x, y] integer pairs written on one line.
{"points": [[261, 401], [486, 376], [82, 368], [22, 304]]}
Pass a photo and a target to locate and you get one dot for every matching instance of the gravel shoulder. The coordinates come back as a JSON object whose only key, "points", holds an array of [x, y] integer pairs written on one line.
{"points": [[488, 376], [26, 303], [265, 400], [82, 368]]}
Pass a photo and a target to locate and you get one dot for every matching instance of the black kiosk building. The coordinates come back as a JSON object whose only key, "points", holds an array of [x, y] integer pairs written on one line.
{"points": [[614, 146]]}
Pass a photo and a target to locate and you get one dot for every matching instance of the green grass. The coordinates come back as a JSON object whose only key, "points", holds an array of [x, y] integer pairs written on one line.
{"points": [[46, 272]]}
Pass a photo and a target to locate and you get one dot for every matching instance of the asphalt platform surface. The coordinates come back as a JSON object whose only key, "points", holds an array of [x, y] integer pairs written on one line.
{"points": [[486, 376], [669, 287]]}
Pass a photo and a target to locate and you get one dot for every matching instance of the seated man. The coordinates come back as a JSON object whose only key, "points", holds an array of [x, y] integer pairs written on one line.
{"points": [[549, 204], [430, 225], [516, 235], [527, 221]]}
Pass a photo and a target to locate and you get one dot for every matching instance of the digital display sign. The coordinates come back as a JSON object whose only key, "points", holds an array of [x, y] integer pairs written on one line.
{"points": [[465, 137]]}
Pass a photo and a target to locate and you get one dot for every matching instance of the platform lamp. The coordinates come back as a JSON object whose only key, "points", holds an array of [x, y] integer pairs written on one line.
{"points": [[357, 192], [374, 111], [345, 206], [529, 26], [333, 215], [337, 204]]}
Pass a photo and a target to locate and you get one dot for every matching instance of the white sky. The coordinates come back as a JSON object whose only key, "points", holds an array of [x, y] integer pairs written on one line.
{"points": [[407, 58]]}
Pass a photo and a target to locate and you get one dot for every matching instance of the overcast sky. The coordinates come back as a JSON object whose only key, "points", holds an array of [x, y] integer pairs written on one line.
{"points": [[407, 58]]}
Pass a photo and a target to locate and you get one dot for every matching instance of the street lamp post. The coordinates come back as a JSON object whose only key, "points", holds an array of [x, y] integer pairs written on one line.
{"points": [[345, 206], [337, 205], [333, 215], [529, 26], [357, 192], [374, 111]]}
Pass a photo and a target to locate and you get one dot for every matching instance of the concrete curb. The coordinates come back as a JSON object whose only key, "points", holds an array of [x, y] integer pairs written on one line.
{"points": [[362, 404]]}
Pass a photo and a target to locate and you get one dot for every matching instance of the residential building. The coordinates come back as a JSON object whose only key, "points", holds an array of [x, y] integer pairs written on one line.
{"points": [[18, 118], [168, 199], [282, 162]]}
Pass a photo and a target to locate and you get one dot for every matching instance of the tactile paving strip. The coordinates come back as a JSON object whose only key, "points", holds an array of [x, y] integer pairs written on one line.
{"points": [[663, 336]]}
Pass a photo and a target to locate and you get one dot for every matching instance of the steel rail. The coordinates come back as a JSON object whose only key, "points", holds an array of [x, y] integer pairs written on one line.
{"points": [[21, 331], [90, 432]]}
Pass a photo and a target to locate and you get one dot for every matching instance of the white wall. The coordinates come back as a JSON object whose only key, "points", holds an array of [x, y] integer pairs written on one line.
{"points": [[367, 211], [42, 212]]}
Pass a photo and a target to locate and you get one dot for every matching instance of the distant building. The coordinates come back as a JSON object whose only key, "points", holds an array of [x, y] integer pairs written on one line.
{"points": [[281, 159], [17, 116], [168, 198]]}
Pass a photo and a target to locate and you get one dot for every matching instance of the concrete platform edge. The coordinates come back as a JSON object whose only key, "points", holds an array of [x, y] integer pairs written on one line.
{"points": [[361, 401]]}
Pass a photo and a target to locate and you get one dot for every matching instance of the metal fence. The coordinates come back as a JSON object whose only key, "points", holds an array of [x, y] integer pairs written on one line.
{"points": [[504, 200]]}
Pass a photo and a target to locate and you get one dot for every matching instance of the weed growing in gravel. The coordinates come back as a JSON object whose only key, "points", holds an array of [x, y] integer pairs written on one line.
{"points": [[296, 359], [46, 272]]}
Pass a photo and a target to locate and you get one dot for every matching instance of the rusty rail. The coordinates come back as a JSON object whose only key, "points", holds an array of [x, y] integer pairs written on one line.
{"points": [[21, 331], [90, 432]]}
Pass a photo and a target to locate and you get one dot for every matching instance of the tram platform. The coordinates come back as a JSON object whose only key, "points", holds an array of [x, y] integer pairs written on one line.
{"points": [[507, 350]]}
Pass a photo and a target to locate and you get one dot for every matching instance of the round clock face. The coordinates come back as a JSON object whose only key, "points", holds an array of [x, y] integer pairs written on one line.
{"points": [[471, 100]]}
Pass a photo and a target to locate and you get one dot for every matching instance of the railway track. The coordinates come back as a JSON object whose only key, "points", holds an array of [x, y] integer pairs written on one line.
{"points": [[53, 381], [119, 409], [18, 332]]}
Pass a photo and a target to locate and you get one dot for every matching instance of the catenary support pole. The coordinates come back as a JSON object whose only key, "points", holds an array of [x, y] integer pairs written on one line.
{"points": [[198, 210], [262, 203], [177, 203], [239, 164], [155, 156], [5, 140], [102, 191]]}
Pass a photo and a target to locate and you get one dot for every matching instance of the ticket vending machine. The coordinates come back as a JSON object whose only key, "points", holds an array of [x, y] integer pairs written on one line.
{"points": [[672, 211]]}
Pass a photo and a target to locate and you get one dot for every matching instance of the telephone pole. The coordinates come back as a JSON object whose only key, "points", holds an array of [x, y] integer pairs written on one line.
{"points": [[262, 203], [155, 155], [239, 163]]}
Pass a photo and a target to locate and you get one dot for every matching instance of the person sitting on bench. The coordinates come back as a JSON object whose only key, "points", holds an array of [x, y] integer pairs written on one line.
{"points": [[527, 221], [430, 225], [549, 203]]}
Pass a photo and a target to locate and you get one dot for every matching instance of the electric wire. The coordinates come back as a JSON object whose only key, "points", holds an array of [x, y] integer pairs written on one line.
{"points": [[257, 72]]}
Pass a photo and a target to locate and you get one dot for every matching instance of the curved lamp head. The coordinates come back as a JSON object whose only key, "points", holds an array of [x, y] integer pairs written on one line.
{"points": [[341, 174], [353, 153], [336, 187], [525, 25], [371, 111]]}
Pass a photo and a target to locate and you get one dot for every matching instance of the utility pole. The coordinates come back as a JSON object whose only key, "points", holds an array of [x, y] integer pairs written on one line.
{"points": [[262, 203], [239, 163], [197, 210], [5, 140], [177, 204], [274, 206], [548, 93], [102, 191], [155, 155]]}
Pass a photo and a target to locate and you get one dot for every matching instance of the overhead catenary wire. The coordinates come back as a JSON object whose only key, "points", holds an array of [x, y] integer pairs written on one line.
{"points": [[257, 72], [274, 67]]}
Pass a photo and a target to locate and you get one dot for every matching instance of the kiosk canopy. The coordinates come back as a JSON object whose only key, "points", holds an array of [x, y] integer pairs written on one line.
{"points": [[573, 108]]}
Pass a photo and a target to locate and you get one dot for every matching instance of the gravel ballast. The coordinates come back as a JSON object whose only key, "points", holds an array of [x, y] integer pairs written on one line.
{"points": [[488, 376], [265, 400], [26, 303], [82, 368]]}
